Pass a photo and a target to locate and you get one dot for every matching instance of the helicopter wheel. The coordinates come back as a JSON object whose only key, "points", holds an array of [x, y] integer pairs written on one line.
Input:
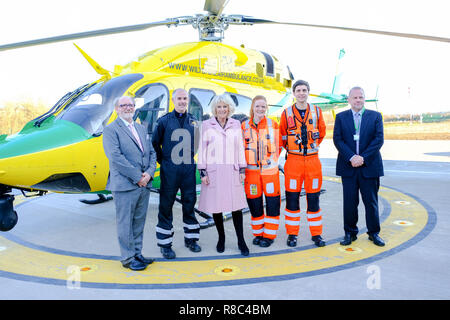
{"points": [[8, 216]]}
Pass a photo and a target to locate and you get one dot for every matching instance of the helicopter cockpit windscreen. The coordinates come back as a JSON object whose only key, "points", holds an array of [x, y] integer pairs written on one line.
{"points": [[243, 105], [199, 100], [93, 108], [152, 101]]}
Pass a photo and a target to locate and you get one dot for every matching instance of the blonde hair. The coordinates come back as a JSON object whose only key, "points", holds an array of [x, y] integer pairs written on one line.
{"points": [[258, 97], [224, 98]]}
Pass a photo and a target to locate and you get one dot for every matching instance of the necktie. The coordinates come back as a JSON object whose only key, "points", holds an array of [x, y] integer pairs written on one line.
{"points": [[135, 134], [357, 129]]}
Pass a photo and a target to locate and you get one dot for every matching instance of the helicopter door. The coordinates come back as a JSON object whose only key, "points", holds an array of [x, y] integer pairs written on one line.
{"points": [[199, 100], [152, 102]]}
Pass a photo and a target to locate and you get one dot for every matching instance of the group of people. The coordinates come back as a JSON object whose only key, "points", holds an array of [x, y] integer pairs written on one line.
{"points": [[238, 166]]}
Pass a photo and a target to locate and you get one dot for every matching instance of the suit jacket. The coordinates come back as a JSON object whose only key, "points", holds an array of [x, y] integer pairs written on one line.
{"points": [[127, 161], [370, 141]]}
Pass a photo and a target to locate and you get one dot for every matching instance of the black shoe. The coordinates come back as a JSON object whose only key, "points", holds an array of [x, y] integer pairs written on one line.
{"points": [[244, 249], [375, 238], [220, 247], [142, 259], [257, 240], [168, 253], [135, 265], [192, 245], [265, 242], [348, 239], [292, 240], [318, 241]]}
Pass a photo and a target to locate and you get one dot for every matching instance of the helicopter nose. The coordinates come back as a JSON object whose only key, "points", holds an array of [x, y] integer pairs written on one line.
{"points": [[35, 153]]}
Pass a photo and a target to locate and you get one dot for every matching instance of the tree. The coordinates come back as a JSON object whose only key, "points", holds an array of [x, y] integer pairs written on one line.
{"points": [[14, 115]]}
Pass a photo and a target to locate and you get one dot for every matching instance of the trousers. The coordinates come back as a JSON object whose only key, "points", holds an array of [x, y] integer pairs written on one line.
{"points": [[131, 212], [303, 170], [368, 187], [174, 178]]}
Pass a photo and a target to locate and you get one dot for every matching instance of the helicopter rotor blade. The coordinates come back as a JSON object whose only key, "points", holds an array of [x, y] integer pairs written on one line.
{"points": [[88, 34], [215, 7], [251, 20]]}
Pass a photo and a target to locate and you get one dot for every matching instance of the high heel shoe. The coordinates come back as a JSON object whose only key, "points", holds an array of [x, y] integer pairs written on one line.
{"points": [[244, 249], [220, 247]]}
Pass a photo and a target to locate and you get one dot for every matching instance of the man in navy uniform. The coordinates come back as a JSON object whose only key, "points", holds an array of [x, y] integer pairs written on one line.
{"points": [[358, 136], [173, 141]]}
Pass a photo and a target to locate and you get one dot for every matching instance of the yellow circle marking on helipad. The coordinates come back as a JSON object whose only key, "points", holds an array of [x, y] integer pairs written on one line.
{"points": [[21, 260]]}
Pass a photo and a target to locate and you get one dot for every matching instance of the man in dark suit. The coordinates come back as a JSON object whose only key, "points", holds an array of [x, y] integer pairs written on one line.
{"points": [[358, 136], [132, 164]]}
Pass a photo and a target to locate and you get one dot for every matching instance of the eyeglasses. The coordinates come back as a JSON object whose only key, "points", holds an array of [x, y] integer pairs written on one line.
{"points": [[126, 105]]}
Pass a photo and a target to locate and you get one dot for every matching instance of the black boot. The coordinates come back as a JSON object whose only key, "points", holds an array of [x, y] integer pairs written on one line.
{"points": [[238, 226], [218, 220], [318, 241], [292, 240]]}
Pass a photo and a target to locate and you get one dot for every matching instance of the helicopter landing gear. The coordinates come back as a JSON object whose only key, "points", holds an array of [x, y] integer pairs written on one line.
{"points": [[101, 198], [8, 216]]}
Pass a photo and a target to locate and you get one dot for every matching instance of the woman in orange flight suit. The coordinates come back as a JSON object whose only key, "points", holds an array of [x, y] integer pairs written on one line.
{"points": [[262, 148]]}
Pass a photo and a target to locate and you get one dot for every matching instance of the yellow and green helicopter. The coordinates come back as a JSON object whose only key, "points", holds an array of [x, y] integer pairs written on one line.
{"points": [[61, 150]]}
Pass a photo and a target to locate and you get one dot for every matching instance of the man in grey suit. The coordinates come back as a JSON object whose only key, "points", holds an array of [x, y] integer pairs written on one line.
{"points": [[132, 164]]}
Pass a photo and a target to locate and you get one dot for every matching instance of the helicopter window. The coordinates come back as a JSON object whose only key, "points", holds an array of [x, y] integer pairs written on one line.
{"points": [[243, 105], [199, 100], [151, 103], [93, 108], [91, 99], [269, 64]]}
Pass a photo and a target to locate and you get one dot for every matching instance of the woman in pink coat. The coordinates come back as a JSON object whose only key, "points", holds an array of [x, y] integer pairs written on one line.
{"points": [[221, 163]]}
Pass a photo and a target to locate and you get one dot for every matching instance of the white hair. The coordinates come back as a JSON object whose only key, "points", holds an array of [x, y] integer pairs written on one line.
{"points": [[116, 100], [224, 98], [356, 88]]}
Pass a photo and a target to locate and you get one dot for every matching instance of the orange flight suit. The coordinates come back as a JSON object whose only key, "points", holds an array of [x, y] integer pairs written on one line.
{"points": [[301, 138], [262, 149]]}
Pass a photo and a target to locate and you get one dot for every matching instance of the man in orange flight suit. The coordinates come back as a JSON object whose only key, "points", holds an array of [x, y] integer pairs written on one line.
{"points": [[262, 149], [302, 129]]}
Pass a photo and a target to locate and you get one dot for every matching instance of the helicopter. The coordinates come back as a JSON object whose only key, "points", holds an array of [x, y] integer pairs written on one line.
{"points": [[61, 150]]}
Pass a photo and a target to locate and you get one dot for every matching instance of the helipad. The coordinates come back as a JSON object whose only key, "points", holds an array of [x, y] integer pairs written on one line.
{"points": [[84, 250]]}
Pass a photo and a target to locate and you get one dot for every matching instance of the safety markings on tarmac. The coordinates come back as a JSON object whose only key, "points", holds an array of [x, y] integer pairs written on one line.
{"points": [[350, 250], [408, 220], [227, 270], [403, 223]]}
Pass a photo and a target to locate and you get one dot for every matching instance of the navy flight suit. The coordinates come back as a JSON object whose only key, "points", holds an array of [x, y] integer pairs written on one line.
{"points": [[174, 146]]}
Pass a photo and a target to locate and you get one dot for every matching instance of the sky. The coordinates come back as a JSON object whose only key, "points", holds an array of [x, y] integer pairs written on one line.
{"points": [[412, 76]]}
